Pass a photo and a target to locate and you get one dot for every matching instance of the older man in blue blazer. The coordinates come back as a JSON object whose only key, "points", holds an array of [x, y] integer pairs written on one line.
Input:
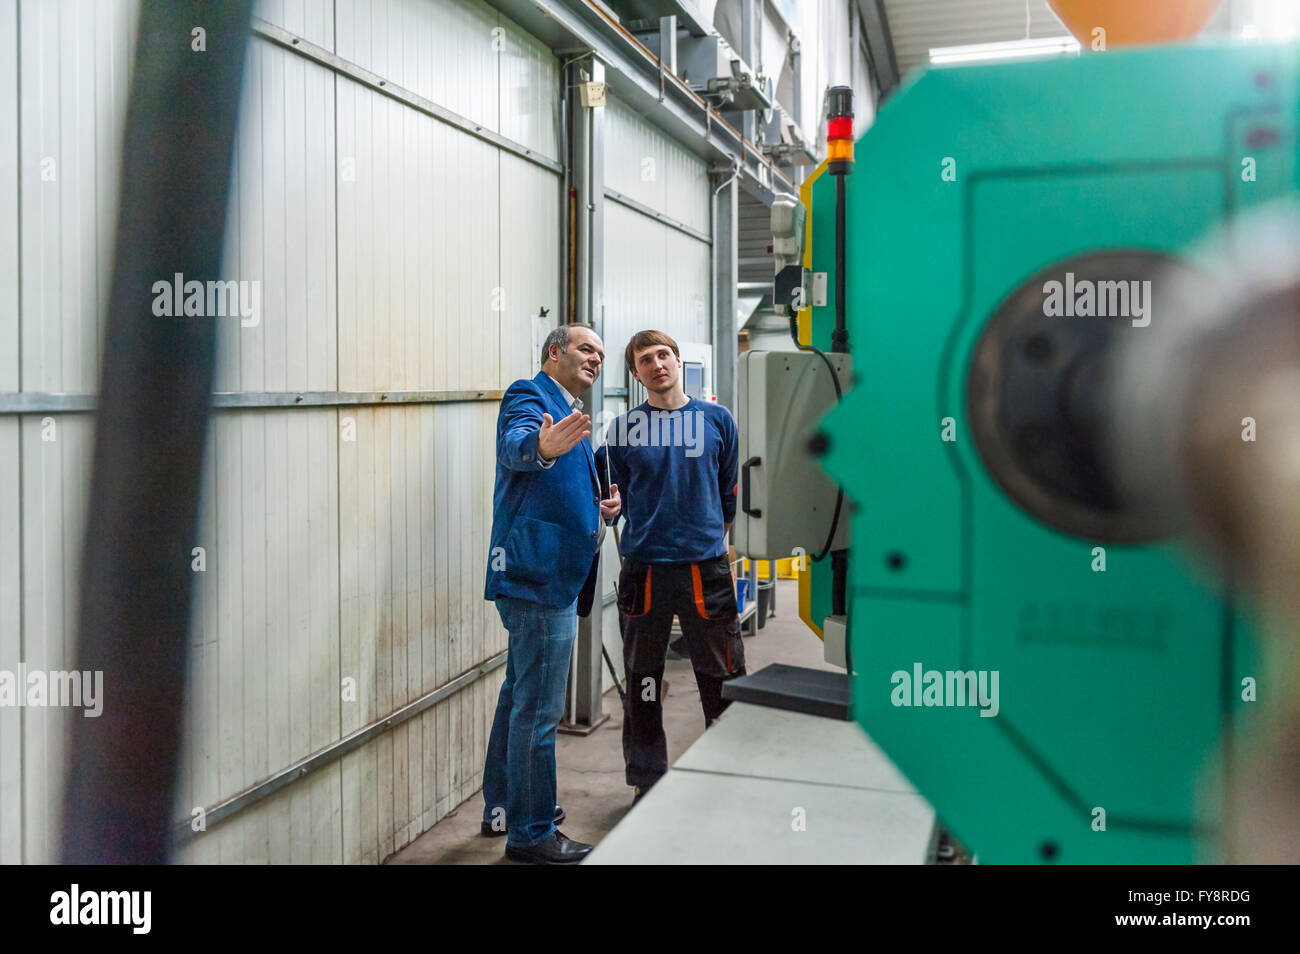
{"points": [[546, 529]]}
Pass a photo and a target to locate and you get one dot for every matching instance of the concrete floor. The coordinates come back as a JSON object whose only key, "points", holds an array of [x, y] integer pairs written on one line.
{"points": [[590, 768]]}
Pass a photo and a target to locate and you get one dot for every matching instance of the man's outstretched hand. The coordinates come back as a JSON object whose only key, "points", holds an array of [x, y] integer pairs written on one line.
{"points": [[610, 506], [555, 440]]}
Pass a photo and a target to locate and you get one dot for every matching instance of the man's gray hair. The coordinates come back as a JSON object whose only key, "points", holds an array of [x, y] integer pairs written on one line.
{"points": [[560, 338]]}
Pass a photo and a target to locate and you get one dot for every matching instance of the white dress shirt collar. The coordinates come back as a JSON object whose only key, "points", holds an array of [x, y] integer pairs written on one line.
{"points": [[574, 403]]}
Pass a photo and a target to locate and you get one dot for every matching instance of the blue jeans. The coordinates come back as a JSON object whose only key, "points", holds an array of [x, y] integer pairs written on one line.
{"points": [[519, 776]]}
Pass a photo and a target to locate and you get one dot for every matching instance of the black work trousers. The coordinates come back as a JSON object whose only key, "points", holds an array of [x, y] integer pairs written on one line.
{"points": [[703, 597]]}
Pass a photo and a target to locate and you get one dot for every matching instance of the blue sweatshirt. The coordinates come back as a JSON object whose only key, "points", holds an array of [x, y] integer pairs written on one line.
{"points": [[676, 474]]}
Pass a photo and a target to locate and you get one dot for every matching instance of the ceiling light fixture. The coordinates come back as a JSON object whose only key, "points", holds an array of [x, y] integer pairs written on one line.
{"points": [[1011, 50]]}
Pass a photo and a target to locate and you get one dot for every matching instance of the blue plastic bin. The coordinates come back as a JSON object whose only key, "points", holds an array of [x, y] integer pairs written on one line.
{"points": [[742, 594]]}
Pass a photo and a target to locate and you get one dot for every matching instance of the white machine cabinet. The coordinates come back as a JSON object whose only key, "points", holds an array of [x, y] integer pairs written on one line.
{"points": [[786, 501]]}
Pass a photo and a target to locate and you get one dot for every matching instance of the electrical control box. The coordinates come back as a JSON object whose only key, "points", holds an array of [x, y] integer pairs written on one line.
{"points": [[786, 502]]}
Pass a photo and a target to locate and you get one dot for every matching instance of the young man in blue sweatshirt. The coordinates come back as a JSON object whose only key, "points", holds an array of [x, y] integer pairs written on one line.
{"points": [[675, 458]]}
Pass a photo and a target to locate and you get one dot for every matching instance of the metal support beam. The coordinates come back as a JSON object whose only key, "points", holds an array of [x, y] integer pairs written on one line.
{"points": [[565, 226], [751, 51], [796, 64], [156, 386], [32, 402], [726, 269], [880, 44], [586, 709], [668, 43]]}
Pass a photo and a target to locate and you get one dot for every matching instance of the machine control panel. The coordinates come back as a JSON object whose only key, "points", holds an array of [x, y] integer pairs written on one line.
{"points": [[786, 502]]}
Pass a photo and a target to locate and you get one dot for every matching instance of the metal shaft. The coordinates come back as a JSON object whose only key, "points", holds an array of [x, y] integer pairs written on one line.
{"points": [[156, 383]]}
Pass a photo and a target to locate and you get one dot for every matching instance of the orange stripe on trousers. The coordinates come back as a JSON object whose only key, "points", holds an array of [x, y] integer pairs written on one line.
{"points": [[699, 589]]}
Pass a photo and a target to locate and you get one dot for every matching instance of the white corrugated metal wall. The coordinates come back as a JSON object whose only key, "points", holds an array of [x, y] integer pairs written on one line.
{"points": [[656, 276], [393, 252], [61, 108], [421, 252]]}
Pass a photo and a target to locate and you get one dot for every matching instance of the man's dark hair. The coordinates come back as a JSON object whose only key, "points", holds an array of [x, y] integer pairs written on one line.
{"points": [[646, 339], [560, 338]]}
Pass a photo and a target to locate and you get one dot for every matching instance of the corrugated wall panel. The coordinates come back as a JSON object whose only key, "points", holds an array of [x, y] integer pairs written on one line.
{"points": [[9, 205], [404, 255], [11, 750], [419, 249], [686, 288], [423, 302], [280, 229], [62, 102], [530, 88], [73, 94], [655, 277], [442, 50], [635, 270], [11, 756], [635, 158], [417, 520], [529, 269], [643, 162], [687, 195], [265, 685], [313, 20], [55, 479]]}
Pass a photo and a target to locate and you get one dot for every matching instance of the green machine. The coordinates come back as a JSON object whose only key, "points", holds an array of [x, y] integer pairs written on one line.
{"points": [[1106, 669]]}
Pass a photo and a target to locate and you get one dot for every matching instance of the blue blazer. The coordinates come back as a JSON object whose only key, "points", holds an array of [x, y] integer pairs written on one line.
{"points": [[545, 522]]}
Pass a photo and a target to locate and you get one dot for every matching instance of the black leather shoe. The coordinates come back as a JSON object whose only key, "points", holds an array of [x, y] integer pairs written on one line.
{"points": [[487, 829], [639, 792], [556, 850]]}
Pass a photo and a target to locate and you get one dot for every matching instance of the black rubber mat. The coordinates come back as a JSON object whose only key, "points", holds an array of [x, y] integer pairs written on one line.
{"points": [[778, 686]]}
